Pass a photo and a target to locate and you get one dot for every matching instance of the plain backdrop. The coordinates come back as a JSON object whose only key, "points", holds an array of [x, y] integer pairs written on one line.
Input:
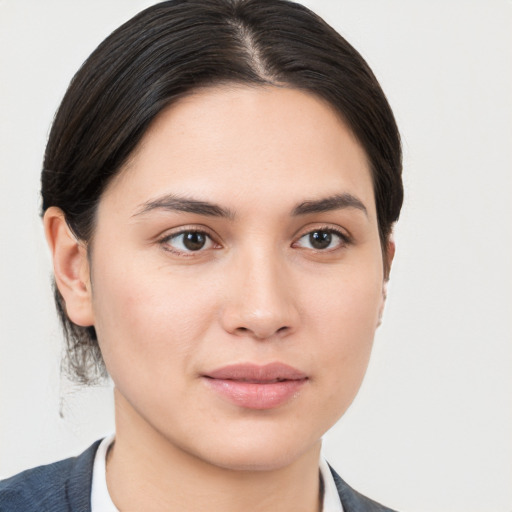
{"points": [[431, 429]]}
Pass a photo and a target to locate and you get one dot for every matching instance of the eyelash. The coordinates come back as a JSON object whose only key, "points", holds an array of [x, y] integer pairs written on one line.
{"points": [[345, 240]]}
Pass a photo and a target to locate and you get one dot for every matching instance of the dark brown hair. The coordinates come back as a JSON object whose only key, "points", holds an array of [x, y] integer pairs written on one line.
{"points": [[168, 51]]}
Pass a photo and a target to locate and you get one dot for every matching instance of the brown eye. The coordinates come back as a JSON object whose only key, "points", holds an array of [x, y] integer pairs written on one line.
{"points": [[194, 241], [320, 239], [188, 241]]}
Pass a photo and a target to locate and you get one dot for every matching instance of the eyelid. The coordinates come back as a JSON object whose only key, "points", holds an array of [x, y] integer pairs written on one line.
{"points": [[187, 228], [338, 230]]}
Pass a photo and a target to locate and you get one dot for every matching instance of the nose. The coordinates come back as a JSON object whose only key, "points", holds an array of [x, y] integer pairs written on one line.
{"points": [[260, 302]]}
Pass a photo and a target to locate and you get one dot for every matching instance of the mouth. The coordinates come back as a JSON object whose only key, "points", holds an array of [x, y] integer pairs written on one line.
{"points": [[256, 386]]}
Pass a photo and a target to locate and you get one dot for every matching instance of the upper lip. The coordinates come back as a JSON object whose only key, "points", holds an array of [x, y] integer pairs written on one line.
{"points": [[250, 372]]}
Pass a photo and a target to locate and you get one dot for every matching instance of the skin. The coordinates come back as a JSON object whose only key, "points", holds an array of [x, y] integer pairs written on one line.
{"points": [[258, 291]]}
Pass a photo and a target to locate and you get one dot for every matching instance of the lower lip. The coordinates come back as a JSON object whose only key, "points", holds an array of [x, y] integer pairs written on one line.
{"points": [[256, 395]]}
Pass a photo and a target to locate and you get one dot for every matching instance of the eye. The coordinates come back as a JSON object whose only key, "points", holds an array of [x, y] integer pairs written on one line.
{"points": [[188, 241], [322, 239]]}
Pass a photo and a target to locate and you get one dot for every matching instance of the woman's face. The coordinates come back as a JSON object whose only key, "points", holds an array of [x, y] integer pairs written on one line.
{"points": [[237, 276]]}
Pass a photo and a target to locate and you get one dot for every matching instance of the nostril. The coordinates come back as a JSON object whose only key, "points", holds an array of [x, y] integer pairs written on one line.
{"points": [[260, 333]]}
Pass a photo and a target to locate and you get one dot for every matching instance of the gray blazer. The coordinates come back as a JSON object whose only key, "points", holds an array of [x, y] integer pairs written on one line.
{"points": [[65, 486]]}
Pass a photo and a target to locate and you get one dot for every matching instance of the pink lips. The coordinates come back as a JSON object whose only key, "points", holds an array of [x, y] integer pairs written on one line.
{"points": [[256, 387]]}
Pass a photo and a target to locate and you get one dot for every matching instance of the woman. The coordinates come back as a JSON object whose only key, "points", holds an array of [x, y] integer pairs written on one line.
{"points": [[219, 190]]}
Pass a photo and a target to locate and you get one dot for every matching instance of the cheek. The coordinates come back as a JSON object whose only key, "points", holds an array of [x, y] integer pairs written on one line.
{"points": [[153, 319], [348, 303], [345, 318]]}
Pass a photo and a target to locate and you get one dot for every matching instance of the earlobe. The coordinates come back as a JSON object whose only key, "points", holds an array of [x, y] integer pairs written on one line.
{"points": [[70, 266], [390, 254]]}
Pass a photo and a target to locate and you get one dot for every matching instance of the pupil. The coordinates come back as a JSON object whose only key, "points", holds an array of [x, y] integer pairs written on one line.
{"points": [[320, 239], [194, 241]]}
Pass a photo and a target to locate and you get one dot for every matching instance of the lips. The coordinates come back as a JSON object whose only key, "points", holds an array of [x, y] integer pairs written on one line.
{"points": [[256, 387]]}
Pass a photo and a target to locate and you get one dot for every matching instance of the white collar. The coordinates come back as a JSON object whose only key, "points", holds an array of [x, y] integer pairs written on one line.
{"points": [[100, 498], [101, 501]]}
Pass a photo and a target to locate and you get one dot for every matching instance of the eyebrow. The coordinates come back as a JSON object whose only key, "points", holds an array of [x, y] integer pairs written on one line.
{"points": [[171, 202], [335, 202]]}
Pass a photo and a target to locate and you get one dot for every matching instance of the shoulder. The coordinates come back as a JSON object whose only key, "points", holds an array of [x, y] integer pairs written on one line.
{"points": [[61, 486], [353, 501]]}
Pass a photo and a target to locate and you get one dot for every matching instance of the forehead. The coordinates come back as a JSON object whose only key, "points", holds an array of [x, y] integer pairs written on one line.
{"points": [[240, 142]]}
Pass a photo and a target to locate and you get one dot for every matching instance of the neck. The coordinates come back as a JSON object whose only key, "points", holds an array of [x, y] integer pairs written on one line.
{"points": [[146, 471]]}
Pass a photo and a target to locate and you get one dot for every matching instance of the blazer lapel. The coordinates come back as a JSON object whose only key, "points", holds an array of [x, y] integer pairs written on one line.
{"points": [[353, 501]]}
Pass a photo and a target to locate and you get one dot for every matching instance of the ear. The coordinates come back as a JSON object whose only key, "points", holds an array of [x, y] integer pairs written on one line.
{"points": [[70, 267], [390, 254]]}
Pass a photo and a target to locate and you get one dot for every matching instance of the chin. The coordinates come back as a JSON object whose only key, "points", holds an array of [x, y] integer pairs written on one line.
{"points": [[252, 460], [268, 452]]}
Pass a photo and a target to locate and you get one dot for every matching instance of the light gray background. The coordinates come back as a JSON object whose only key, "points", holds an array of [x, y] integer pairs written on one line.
{"points": [[432, 427]]}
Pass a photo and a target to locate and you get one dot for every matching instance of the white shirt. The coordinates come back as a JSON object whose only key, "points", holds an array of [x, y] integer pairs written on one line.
{"points": [[101, 501], [100, 498]]}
